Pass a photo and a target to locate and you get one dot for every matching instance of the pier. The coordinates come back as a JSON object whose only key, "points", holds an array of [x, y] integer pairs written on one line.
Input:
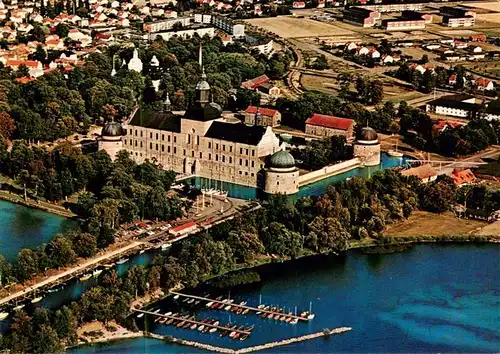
{"points": [[178, 318], [245, 307]]}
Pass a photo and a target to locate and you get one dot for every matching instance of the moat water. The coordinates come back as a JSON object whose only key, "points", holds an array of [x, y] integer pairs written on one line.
{"points": [[314, 189], [24, 227], [430, 298]]}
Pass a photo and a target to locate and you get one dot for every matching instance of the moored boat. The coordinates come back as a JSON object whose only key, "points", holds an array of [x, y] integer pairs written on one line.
{"points": [[294, 321], [213, 330], [165, 246], [122, 260], [140, 315], [244, 337], [209, 304], [86, 277], [97, 272], [18, 307], [55, 289], [394, 153], [193, 326], [3, 315], [176, 297], [245, 311], [37, 299], [201, 328]]}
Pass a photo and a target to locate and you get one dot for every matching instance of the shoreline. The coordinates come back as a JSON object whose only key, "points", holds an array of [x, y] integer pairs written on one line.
{"points": [[17, 199]]}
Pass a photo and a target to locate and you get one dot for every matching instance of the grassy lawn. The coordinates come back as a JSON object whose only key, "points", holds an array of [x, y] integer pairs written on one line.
{"points": [[424, 223]]}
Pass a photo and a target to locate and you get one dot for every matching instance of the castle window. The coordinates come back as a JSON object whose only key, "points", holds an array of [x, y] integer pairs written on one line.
{"points": [[197, 140], [246, 163], [150, 135], [240, 172], [261, 166], [151, 146], [163, 148], [223, 158], [189, 139], [252, 174], [156, 136], [253, 153], [246, 152], [278, 183], [184, 152], [241, 162], [163, 137], [230, 149], [210, 156], [141, 133], [175, 139], [201, 155], [168, 138], [192, 153], [130, 131], [136, 143], [223, 147], [253, 164], [135, 132], [216, 146], [141, 144], [168, 149], [230, 159], [156, 147], [209, 145], [246, 173], [241, 151], [125, 141], [175, 150], [216, 157]]}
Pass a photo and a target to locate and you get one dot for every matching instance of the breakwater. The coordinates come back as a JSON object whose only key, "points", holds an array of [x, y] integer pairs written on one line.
{"points": [[216, 349]]}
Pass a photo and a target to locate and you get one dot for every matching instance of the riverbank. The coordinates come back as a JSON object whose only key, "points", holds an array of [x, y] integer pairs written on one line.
{"points": [[44, 206], [98, 332]]}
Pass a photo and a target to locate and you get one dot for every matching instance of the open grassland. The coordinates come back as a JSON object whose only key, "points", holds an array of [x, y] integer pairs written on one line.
{"points": [[424, 223], [318, 83], [492, 6], [291, 27]]}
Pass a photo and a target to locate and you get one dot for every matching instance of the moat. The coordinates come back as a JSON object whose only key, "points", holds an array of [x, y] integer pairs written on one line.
{"points": [[430, 298]]}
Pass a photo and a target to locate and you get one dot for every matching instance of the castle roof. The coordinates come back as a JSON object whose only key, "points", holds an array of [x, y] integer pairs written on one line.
{"points": [[330, 121], [237, 133], [113, 129], [282, 159], [157, 120]]}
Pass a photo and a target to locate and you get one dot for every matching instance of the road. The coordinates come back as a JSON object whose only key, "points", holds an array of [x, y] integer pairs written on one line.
{"points": [[71, 271]]}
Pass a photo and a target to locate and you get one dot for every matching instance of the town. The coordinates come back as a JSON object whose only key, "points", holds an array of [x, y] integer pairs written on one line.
{"points": [[193, 172]]}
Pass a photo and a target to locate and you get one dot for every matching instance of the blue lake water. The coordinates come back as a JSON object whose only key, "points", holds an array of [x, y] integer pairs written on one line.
{"points": [[24, 227], [431, 298], [313, 189]]}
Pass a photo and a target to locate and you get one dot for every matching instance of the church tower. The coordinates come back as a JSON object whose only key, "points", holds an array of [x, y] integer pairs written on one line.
{"points": [[202, 87]]}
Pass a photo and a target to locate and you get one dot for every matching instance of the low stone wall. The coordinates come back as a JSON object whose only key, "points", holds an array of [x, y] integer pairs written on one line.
{"points": [[329, 171]]}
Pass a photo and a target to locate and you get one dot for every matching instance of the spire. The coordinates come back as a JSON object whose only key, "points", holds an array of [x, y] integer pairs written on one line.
{"points": [[113, 72], [200, 56], [166, 104]]}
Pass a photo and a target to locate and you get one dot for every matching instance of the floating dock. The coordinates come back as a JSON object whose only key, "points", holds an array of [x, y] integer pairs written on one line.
{"points": [[245, 307], [179, 318]]}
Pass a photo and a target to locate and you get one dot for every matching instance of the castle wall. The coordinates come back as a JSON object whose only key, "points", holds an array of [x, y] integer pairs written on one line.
{"points": [[111, 145]]}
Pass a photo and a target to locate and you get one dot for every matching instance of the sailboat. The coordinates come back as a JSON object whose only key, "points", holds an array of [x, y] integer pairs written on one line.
{"points": [[395, 153]]}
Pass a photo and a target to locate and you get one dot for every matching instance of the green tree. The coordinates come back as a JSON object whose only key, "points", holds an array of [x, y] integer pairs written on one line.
{"points": [[84, 244], [62, 30], [60, 251], [327, 234]]}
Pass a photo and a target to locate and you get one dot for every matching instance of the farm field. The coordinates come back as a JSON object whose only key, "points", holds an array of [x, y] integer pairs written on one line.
{"points": [[290, 27], [492, 6], [317, 83]]}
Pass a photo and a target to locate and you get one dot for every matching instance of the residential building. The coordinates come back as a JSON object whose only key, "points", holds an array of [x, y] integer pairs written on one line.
{"points": [[325, 126], [166, 25], [402, 24], [463, 177], [463, 106], [227, 25], [399, 7], [261, 116], [361, 17]]}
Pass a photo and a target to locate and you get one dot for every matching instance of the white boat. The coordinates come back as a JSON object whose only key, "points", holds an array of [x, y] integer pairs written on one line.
{"points": [[232, 334], [213, 330], [168, 313], [156, 311], [37, 299], [3, 315], [96, 272], [201, 328], [18, 307], [176, 297], [166, 246], [294, 321], [394, 153], [142, 251], [227, 308], [209, 304], [86, 277], [122, 260], [311, 316], [216, 323], [55, 290], [140, 315], [177, 186]]}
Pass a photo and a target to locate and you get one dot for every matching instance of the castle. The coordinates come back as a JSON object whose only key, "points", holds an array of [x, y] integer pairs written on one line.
{"points": [[202, 143]]}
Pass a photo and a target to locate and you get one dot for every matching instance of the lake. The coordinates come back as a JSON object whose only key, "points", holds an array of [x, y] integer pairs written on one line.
{"points": [[24, 227], [430, 298]]}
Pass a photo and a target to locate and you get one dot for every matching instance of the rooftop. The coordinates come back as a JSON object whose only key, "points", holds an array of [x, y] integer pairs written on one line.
{"points": [[237, 133], [157, 120], [330, 121]]}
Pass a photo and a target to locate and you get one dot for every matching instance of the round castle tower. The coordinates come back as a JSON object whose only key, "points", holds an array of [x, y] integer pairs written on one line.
{"points": [[367, 147], [111, 139], [281, 177]]}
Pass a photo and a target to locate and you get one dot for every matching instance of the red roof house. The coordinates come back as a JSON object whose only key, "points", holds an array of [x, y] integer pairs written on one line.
{"points": [[255, 82], [324, 126], [461, 177]]}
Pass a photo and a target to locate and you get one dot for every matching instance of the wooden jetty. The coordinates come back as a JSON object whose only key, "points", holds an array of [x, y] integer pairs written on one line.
{"points": [[245, 307], [195, 322]]}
